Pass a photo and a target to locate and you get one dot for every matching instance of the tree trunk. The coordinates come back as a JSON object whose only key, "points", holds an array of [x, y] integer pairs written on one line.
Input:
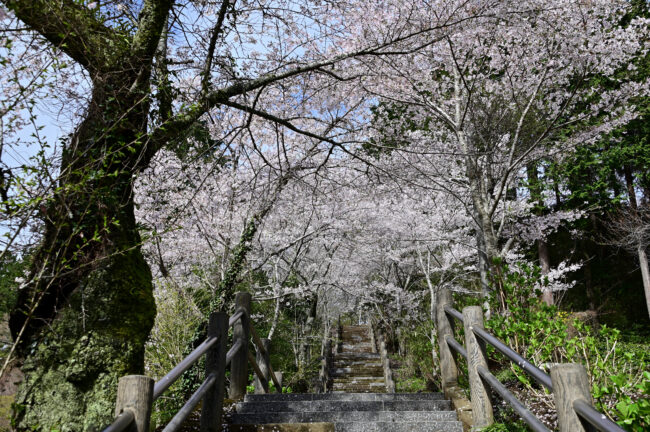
{"points": [[629, 184], [305, 347], [589, 287], [276, 316], [482, 264], [643, 258], [545, 263], [645, 273], [88, 312], [535, 189]]}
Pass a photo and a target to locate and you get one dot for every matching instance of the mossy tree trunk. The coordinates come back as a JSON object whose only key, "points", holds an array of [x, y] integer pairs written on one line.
{"points": [[83, 321], [91, 307]]}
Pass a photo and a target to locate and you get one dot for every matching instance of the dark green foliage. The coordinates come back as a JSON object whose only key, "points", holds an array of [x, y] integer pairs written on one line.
{"points": [[11, 268]]}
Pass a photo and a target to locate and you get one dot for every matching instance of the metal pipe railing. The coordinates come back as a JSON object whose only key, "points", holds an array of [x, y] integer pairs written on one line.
{"points": [[571, 380], [595, 418], [532, 370], [233, 350], [171, 377], [215, 371], [454, 313], [122, 422], [189, 406], [535, 424], [456, 346], [233, 319]]}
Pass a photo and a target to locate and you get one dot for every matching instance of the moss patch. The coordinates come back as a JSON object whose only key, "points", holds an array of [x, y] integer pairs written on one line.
{"points": [[5, 412], [71, 374]]}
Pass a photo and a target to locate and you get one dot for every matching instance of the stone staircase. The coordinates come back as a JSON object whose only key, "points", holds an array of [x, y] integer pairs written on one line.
{"points": [[358, 401], [355, 367]]}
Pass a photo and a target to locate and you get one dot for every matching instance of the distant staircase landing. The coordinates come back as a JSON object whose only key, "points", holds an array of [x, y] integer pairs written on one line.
{"points": [[355, 368]]}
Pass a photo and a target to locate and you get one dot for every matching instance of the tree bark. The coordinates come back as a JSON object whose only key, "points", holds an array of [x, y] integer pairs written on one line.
{"points": [[305, 347], [95, 289], [88, 311], [645, 274], [545, 264], [535, 189]]}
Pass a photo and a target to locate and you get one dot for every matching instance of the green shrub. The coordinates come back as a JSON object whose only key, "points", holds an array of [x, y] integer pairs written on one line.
{"points": [[176, 321], [411, 385], [543, 334]]}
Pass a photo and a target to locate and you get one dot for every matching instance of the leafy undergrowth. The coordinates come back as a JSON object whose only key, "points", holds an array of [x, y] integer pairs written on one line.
{"points": [[617, 363]]}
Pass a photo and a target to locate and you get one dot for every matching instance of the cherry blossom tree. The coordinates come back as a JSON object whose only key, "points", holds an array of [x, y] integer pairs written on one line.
{"points": [[155, 71], [502, 91]]}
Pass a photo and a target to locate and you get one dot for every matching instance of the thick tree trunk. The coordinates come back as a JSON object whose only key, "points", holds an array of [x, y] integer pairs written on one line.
{"points": [[85, 318], [482, 264]]}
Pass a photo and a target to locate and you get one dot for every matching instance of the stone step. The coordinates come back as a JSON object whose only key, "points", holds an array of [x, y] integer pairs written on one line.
{"points": [[355, 356], [356, 347], [353, 379], [342, 406], [343, 416], [360, 397], [283, 427], [446, 426], [361, 389], [362, 370], [355, 339], [360, 366], [442, 426]]}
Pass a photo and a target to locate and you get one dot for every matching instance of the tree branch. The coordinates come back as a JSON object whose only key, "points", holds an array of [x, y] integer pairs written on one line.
{"points": [[72, 28]]}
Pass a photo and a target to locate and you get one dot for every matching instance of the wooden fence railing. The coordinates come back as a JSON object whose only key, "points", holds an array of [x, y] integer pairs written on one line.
{"points": [[568, 382], [378, 341], [325, 366], [136, 393]]}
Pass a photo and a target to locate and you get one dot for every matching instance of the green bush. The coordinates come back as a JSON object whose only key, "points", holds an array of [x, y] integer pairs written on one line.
{"points": [[543, 334], [176, 321]]}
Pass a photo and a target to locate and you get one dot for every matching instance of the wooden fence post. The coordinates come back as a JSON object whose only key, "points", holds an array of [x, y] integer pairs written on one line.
{"points": [[324, 375], [570, 383], [373, 338], [215, 363], [241, 332], [385, 362], [135, 393], [263, 361], [279, 377], [476, 356], [445, 327], [339, 336]]}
